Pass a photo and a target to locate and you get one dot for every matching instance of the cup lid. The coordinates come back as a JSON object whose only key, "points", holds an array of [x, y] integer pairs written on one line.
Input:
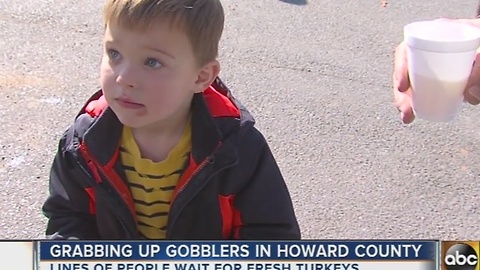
{"points": [[442, 36]]}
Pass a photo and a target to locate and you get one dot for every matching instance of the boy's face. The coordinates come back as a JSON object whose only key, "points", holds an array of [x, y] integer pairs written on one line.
{"points": [[149, 76]]}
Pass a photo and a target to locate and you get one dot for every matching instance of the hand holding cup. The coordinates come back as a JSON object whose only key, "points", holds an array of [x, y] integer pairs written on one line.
{"points": [[433, 69]]}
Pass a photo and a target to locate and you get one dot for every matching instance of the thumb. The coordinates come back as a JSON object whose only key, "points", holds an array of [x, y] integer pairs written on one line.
{"points": [[472, 22], [401, 80], [472, 93]]}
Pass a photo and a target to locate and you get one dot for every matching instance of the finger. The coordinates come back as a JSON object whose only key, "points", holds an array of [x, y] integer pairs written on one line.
{"points": [[407, 117], [472, 91], [469, 98], [400, 79], [444, 19], [472, 22], [403, 102]]}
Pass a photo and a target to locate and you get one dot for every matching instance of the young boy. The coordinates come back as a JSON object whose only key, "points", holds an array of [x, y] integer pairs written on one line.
{"points": [[164, 151]]}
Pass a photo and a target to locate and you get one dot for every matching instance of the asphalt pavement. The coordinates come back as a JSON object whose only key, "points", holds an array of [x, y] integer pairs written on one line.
{"points": [[315, 74]]}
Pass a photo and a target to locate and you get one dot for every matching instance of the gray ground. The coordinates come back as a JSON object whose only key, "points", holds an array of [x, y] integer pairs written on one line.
{"points": [[317, 77]]}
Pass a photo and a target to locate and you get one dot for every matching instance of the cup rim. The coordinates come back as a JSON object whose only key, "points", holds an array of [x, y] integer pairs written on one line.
{"points": [[413, 26], [413, 38]]}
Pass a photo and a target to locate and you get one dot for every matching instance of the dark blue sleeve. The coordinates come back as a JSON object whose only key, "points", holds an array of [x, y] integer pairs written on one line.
{"points": [[68, 204], [265, 207]]}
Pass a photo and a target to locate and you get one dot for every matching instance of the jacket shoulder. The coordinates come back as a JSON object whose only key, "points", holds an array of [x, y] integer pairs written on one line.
{"points": [[84, 119], [250, 135], [250, 146]]}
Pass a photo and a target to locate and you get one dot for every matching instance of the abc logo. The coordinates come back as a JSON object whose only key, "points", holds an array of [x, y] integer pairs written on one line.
{"points": [[461, 257]]}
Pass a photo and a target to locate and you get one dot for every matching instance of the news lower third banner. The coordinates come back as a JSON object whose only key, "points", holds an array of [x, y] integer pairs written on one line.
{"points": [[301, 255]]}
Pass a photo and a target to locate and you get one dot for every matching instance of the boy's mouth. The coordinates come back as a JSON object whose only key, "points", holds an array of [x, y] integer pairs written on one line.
{"points": [[128, 103]]}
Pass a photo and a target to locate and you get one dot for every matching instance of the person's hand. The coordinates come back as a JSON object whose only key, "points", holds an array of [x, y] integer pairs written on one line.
{"points": [[401, 84]]}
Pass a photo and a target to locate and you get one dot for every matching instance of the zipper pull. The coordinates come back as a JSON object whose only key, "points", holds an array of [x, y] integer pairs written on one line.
{"points": [[94, 170], [90, 163]]}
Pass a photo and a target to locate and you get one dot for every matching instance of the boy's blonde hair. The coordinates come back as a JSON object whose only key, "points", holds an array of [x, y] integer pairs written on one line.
{"points": [[202, 20]]}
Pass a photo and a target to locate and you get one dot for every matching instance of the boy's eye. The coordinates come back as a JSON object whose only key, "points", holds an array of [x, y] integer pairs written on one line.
{"points": [[113, 54], [153, 63]]}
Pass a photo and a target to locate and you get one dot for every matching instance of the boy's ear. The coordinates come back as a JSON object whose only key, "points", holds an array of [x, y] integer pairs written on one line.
{"points": [[207, 74]]}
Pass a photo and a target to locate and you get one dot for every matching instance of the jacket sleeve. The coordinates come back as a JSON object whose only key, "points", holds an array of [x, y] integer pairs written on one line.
{"points": [[68, 205], [264, 207]]}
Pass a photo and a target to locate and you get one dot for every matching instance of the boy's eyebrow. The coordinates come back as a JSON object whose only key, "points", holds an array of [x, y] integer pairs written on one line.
{"points": [[110, 42], [160, 51]]}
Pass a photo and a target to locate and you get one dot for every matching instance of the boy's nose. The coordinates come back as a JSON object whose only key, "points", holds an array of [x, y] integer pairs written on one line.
{"points": [[127, 78]]}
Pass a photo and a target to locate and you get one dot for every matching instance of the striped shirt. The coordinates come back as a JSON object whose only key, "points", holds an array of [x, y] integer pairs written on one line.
{"points": [[152, 183]]}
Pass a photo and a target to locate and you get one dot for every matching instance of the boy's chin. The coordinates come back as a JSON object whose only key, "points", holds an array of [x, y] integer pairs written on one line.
{"points": [[129, 119], [132, 123], [135, 123]]}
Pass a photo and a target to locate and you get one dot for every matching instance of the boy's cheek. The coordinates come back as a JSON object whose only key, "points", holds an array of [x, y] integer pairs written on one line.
{"points": [[106, 68], [107, 77]]}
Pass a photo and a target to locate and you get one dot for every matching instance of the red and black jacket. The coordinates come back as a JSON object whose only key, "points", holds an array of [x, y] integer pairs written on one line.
{"points": [[231, 188]]}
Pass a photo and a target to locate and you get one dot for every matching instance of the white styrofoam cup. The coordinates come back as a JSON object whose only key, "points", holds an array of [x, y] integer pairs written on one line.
{"points": [[440, 57]]}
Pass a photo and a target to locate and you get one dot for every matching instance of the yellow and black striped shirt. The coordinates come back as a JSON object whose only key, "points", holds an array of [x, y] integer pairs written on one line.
{"points": [[152, 183]]}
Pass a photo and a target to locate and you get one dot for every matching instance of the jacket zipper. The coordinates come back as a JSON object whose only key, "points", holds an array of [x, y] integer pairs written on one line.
{"points": [[95, 172], [170, 221], [207, 160], [195, 172], [96, 167], [204, 163]]}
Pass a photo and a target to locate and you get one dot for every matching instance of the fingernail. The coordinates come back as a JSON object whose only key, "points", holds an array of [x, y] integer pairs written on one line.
{"points": [[475, 92]]}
